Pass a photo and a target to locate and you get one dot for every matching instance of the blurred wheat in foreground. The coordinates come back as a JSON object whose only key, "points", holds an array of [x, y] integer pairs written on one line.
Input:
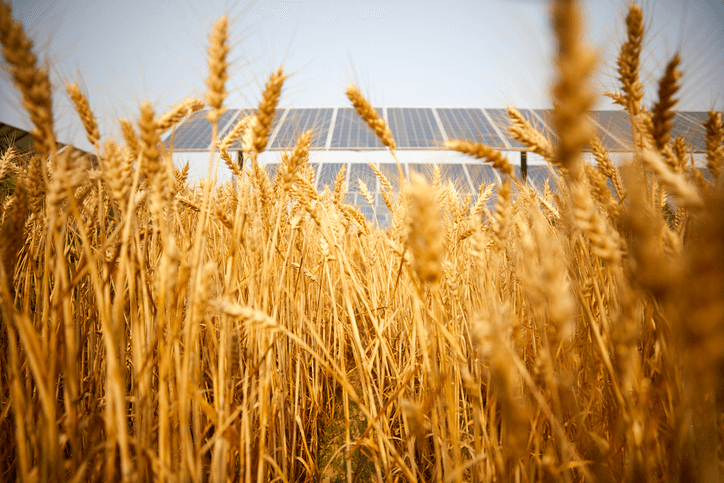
{"points": [[259, 330]]}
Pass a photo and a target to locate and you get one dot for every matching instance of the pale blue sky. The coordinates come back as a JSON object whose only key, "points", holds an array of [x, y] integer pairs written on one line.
{"points": [[480, 53]]}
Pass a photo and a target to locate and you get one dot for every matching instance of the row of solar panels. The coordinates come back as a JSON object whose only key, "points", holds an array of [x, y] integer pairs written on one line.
{"points": [[466, 177], [418, 128]]}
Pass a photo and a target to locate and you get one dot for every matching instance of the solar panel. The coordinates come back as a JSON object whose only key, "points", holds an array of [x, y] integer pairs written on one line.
{"points": [[418, 128], [456, 174], [469, 124], [481, 173], [351, 132], [414, 128], [195, 133], [301, 120], [425, 170], [692, 132], [392, 173], [545, 115], [537, 176], [271, 170], [366, 174], [608, 140], [501, 118], [248, 112], [618, 123], [328, 175]]}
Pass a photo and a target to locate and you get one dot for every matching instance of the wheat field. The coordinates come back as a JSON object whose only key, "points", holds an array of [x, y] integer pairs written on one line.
{"points": [[259, 330]]}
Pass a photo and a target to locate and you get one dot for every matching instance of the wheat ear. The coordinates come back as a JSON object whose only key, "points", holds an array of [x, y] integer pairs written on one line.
{"points": [[524, 132], [370, 116], [572, 96], [714, 148], [178, 112], [32, 82], [482, 151], [628, 63], [663, 111], [267, 109], [218, 65], [82, 107], [425, 230]]}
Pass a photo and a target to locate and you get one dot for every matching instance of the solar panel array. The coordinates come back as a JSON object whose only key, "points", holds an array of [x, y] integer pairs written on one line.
{"points": [[465, 177], [340, 128]]}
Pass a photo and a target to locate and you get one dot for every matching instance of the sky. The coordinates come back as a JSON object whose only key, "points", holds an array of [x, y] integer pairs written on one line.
{"points": [[454, 53]]}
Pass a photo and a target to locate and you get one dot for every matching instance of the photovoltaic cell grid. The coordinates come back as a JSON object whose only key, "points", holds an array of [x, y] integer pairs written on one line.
{"points": [[502, 120], [692, 132], [351, 132], [246, 112], [364, 173], [299, 121], [469, 124], [416, 128], [610, 142], [328, 175], [618, 123], [195, 133]]}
